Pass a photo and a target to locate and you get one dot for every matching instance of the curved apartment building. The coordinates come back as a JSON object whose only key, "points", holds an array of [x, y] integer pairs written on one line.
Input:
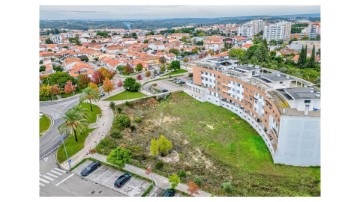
{"points": [[283, 109]]}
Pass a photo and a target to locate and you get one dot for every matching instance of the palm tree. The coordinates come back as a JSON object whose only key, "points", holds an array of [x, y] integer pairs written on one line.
{"points": [[75, 121], [91, 95]]}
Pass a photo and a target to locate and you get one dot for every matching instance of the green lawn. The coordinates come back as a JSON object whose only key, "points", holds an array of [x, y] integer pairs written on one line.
{"points": [[92, 114], [45, 123], [72, 147], [125, 96], [215, 146], [179, 71]]}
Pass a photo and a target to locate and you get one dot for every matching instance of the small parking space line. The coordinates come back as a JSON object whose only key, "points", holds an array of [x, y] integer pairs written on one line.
{"points": [[101, 175], [127, 184], [42, 185], [53, 171], [42, 180], [64, 180], [52, 175], [49, 178], [63, 171], [110, 177]]}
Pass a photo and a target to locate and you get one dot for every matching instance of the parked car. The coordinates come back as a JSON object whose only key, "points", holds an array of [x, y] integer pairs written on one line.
{"points": [[164, 90], [182, 82], [102, 94], [122, 180], [90, 168], [169, 193]]}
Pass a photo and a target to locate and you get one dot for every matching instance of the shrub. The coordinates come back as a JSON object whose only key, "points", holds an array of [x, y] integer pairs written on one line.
{"points": [[119, 110], [190, 75], [116, 134], [138, 119], [106, 145], [159, 165], [182, 173], [129, 104], [198, 180], [122, 120], [132, 128], [112, 105], [227, 187]]}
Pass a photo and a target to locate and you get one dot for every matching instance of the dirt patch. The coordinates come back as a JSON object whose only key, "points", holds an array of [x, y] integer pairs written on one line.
{"points": [[210, 126], [171, 158]]}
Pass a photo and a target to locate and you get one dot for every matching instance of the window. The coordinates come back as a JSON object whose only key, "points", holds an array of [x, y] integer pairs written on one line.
{"points": [[307, 101], [281, 82]]}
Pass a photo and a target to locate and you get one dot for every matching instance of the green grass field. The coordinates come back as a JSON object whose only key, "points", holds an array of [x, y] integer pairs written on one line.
{"points": [[125, 96], [73, 147], [179, 71], [45, 123], [216, 146]]}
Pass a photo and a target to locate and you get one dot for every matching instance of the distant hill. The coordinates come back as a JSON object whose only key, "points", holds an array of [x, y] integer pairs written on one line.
{"points": [[164, 23]]}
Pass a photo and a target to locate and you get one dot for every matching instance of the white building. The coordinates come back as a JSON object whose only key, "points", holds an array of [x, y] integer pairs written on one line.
{"points": [[277, 31], [56, 39], [251, 28], [313, 30]]}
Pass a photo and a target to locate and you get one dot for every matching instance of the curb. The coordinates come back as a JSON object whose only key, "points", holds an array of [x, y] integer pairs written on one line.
{"points": [[51, 125]]}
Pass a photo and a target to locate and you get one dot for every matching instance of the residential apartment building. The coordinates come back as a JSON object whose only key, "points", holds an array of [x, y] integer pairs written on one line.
{"points": [[283, 109], [251, 28], [277, 31], [313, 30]]}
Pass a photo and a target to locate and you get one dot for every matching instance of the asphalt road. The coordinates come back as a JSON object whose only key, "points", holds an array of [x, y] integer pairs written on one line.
{"points": [[51, 139]]}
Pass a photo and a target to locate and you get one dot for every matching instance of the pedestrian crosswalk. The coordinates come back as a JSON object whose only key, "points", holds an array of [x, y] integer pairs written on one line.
{"points": [[51, 176]]}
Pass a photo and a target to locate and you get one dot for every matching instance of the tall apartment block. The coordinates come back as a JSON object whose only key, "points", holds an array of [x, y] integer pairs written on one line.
{"points": [[277, 31], [313, 30], [283, 109], [251, 28]]}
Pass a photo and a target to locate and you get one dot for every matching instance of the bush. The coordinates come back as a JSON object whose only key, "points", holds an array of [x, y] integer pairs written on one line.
{"points": [[116, 134], [129, 104], [182, 173], [159, 165], [190, 75], [198, 180], [132, 128], [138, 119], [112, 105], [227, 187], [122, 120], [106, 145], [119, 110]]}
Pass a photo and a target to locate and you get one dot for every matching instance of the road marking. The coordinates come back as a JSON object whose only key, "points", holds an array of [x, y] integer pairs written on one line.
{"points": [[42, 180], [64, 180], [63, 171], [101, 175], [53, 171], [49, 178], [110, 177], [127, 183], [42, 185], [52, 175]]}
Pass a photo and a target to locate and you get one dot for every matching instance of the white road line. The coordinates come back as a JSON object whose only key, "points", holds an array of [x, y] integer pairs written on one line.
{"points": [[101, 175], [64, 180], [42, 180], [49, 178], [42, 185], [110, 177], [53, 171], [127, 183], [52, 175], [63, 171]]}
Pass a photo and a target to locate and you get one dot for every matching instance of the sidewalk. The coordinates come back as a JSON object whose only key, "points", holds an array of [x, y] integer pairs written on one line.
{"points": [[160, 181]]}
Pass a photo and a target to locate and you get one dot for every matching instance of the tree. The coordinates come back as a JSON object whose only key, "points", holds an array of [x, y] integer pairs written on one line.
{"points": [[93, 86], [120, 84], [84, 59], [127, 69], [108, 85], [122, 120], [112, 105], [55, 90], [74, 121], [131, 85], [175, 65], [193, 188], [83, 80], [139, 77], [45, 90], [119, 157], [48, 41], [175, 51], [91, 95], [174, 180], [186, 60], [106, 73], [165, 145], [162, 68], [60, 78], [69, 87], [237, 53], [226, 186], [139, 67], [42, 68], [120, 68], [302, 57], [312, 58], [148, 74], [154, 147], [162, 60]]}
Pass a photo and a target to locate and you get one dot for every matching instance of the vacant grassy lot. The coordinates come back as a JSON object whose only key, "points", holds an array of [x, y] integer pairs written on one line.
{"points": [[45, 123], [73, 147], [178, 71], [125, 96], [213, 146]]}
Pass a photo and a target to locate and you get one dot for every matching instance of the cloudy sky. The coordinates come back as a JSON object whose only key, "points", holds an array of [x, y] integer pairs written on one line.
{"points": [[161, 12]]}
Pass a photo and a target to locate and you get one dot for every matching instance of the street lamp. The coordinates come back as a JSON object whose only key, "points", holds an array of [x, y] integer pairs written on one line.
{"points": [[67, 157]]}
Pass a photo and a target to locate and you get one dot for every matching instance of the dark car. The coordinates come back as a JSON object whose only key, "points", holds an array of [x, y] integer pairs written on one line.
{"points": [[122, 180], [169, 193], [102, 94], [90, 168], [165, 90]]}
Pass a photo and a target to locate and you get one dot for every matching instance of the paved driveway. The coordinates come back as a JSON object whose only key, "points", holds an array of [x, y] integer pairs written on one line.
{"points": [[106, 176]]}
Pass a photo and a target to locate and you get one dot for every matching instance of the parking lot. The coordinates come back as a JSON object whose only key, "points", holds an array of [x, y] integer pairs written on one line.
{"points": [[106, 176], [157, 192], [165, 84]]}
